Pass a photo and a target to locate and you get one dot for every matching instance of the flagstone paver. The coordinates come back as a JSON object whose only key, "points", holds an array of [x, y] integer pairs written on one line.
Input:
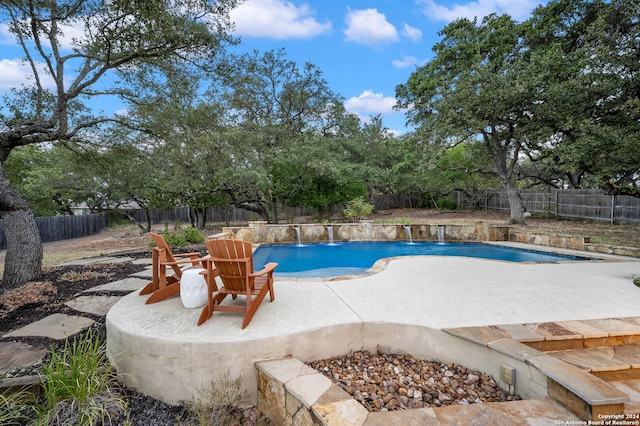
{"points": [[127, 284], [97, 260], [97, 305], [56, 326], [19, 355]]}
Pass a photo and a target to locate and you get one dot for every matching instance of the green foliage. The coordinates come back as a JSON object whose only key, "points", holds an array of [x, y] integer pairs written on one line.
{"points": [[358, 209], [16, 408], [183, 237], [175, 239], [193, 236], [445, 203], [215, 405], [78, 385], [48, 179]]}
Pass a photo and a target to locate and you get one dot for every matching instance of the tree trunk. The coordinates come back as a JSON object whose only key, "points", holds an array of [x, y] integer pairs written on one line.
{"points": [[200, 216], [23, 260], [515, 203], [503, 165]]}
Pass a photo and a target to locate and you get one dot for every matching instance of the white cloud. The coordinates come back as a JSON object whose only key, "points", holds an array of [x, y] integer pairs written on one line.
{"points": [[407, 61], [16, 73], [6, 37], [277, 19], [369, 103], [517, 9], [411, 32], [370, 28]]}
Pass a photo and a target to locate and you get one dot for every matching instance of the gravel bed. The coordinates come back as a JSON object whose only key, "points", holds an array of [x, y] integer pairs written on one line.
{"points": [[385, 382]]}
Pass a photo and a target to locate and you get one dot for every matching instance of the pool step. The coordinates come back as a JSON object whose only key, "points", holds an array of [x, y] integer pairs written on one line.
{"points": [[631, 388], [610, 363]]}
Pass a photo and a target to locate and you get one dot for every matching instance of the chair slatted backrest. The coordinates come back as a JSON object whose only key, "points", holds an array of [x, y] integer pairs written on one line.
{"points": [[233, 260], [162, 244]]}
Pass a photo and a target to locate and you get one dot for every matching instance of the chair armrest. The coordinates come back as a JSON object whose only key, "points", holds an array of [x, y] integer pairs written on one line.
{"points": [[180, 262], [268, 269], [192, 255]]}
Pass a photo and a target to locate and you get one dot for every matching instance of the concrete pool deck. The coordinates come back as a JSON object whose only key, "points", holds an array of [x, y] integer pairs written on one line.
{"points": [[161, 351]]}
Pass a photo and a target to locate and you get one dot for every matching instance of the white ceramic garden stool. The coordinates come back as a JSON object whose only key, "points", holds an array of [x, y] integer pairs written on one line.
{"points": [[193, 288]]}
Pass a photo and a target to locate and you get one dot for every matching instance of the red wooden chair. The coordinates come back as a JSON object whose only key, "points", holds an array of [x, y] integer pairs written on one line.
{"points": [[232, 261], [162, 286]]}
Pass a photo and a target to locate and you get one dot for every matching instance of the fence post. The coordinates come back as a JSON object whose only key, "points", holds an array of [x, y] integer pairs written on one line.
{"points": [[613, 206]]}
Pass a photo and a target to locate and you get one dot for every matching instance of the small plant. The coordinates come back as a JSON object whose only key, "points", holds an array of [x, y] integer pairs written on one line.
{"points": [[182, 238], [193, 236], [78, 385], [445, 203], [636, 281], [216, 405], [175, 239], [358, 209]]}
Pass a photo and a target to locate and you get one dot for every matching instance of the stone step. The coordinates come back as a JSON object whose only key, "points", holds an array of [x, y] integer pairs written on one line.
{"points": [[631, 388], [612, 363]]}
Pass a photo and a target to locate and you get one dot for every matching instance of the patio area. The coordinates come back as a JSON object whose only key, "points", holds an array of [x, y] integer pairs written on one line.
{"points": [[403, 308]]}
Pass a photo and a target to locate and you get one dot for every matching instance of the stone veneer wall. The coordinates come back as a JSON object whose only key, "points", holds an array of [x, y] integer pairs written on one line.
{"points": [[572, 242], [262, 233]]}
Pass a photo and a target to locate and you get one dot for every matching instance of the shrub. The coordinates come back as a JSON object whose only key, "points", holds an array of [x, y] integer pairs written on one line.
{"points": [[193, 236], [358, 209], [182, 238], [444, 203]]}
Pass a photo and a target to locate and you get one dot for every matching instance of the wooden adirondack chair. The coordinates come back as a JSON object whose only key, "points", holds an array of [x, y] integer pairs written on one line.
{"points": [[162, 286], [232, 261]]}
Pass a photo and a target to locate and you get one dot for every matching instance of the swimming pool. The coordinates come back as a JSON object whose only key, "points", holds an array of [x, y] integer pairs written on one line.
{"points": [[318, 260]]}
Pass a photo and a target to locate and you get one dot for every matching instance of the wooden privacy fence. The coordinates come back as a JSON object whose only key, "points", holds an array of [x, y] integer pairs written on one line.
{"points": [[181, 214], [56, 228], [592, 204]]}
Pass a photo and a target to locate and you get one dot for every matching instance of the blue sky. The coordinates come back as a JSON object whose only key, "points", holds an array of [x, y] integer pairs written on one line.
{"points": [[364, 48]]}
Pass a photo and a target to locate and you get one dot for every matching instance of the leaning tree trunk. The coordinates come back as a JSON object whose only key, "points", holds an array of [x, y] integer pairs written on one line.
{"points": [[23, 260]]}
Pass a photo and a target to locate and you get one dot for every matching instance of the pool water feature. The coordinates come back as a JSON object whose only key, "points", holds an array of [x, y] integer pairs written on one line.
{"points": [[320, 260]]}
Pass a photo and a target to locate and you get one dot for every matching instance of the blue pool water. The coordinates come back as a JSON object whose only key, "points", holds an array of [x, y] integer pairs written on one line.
{"points": [[329, 260]]}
